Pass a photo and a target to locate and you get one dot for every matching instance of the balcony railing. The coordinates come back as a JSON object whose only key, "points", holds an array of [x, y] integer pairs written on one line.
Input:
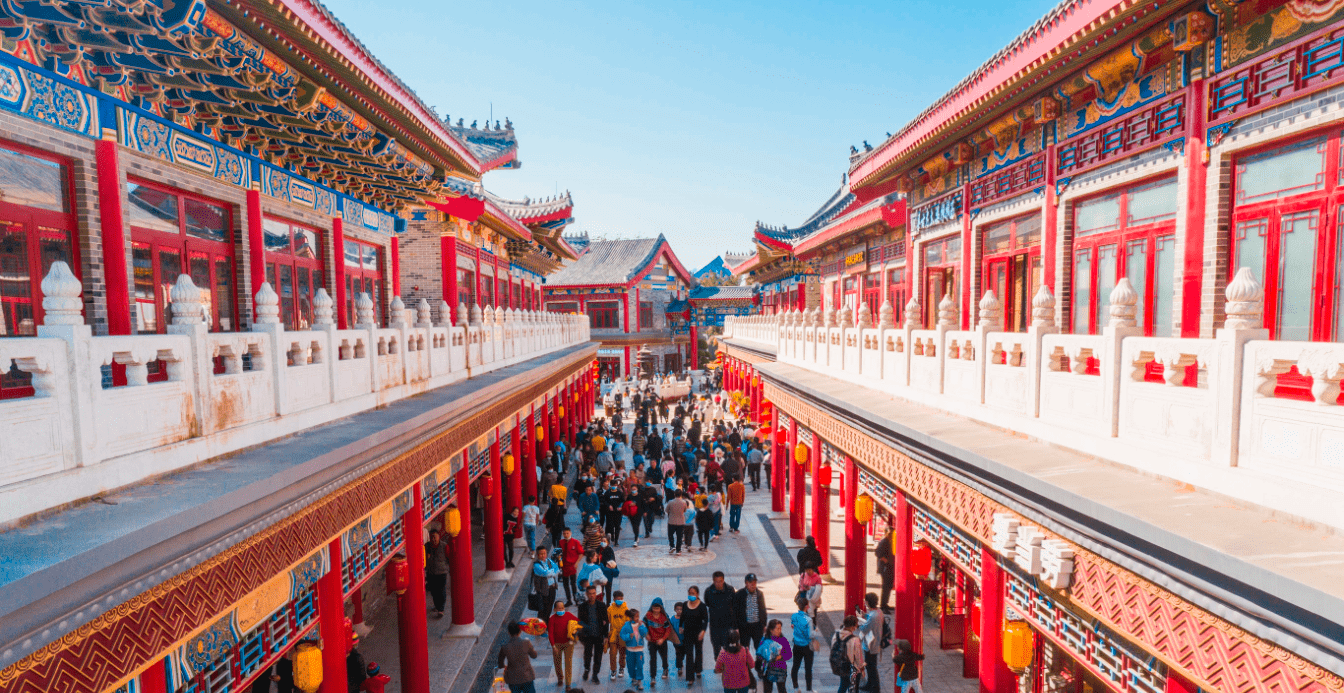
{"points": [[192, 395], [1240, 414]]}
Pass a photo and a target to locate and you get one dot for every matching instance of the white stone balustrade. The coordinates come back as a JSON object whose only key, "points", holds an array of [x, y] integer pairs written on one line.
{"points": [[1238, 414], [167, 401]]}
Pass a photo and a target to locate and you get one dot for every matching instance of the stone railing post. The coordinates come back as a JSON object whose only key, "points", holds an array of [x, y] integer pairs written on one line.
{"points": [[1245, 309], [76, 385], [1042, 323], [324, 322], [188, 320], [991, 320], [364, 320], [948, 317], [267, 304], [396, 320], [912, 312], [1124, 306]]}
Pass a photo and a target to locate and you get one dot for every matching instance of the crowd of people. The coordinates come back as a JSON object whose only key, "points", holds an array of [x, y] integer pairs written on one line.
{"points": [[684, 462]]}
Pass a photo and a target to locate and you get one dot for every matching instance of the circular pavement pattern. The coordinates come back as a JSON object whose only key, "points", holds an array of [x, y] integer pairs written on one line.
{"points": [[655, 555]]}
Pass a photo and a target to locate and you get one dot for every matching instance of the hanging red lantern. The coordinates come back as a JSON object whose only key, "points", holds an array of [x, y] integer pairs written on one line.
{"points": [[486, 485], [921, 559], [824, 476], [397, 575], [975, 618], [782, 437]]}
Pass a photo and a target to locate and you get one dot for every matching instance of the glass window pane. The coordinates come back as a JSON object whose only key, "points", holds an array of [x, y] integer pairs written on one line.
{"points": [[170, 265], [1151, 204], [1136, 269], [953, 249], [200, 276], [1297, 260], [275, 234], [370, 258], [305, 242], [999, 238], [16, 284], [286, 291], [55, 245], [224, 293], [1028, 232], [1097, 214], [351, 254], [152, 209], [1106, 261], [32, 182], [206, 221], [1296, 168], [1164, 287], [146, 312], [1248, 245], [1082, 290], [304, 291]]}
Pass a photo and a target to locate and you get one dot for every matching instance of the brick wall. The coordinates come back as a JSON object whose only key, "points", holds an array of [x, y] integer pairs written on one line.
{"points": [[421, 260]]}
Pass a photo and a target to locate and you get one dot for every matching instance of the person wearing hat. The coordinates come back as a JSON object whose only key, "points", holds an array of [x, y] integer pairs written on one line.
{"points": [[376, 682], [355, 668], [749, 610]]}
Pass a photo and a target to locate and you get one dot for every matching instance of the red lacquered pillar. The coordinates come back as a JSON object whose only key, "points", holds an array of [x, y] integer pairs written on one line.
{"points": [[448, 273], [256, 251], [113, 238], [459, 559], [331, 622], [778, 464], [856, 541], [411, 628], [995, 676], [529, 459], [797, 513], [1178, 684], [902, 537], [494, 518], [396, 268], [513, 495], [338, 269], [821, 508], [155, 679]]}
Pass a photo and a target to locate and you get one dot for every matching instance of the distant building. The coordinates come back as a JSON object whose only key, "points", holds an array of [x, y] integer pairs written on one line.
{"points": [[625, 288], [719, 271]]}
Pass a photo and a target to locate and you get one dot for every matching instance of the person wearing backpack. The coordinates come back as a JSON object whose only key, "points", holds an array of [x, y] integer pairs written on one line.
{"points": [[846, 657], [907, 663], [872, 629]]}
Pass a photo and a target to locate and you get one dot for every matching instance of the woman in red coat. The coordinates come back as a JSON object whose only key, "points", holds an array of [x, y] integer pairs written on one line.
{"points": [[570, 553]]}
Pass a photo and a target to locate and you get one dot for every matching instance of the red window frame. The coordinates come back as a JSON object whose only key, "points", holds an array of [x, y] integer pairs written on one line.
{"points": [[942, 275], [1273, 218], [898, 293], [562, 307], [603, 315], [645, 314], [363, 275], [872, 293], [287, 267], [1013, 272], [211, 264], [466, 287], [28, 227], [1127, 239], [487, 291]]}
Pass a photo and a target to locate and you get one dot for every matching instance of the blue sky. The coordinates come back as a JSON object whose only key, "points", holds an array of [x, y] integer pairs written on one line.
{"points": [[691, 119]]}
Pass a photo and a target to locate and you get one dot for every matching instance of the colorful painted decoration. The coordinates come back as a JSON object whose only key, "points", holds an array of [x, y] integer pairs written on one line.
{"points": [[533, 626]]}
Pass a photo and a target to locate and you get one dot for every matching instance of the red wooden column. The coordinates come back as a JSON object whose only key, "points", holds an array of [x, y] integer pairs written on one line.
{"points": [[459, 559], [113, 237], [965, 301], [1178, 684], [856, 541], [513, 494], [995, 676], [529, 458], [553, 425], [338, 269], [396, 268], [155, 679], [411, 633], [695, 349], [494, 517], [1192, 269], [256, 242], [905, 625], [797, 515], [1049, 221], [779, 463], [821, 508], [448, 272], [331, 622]]}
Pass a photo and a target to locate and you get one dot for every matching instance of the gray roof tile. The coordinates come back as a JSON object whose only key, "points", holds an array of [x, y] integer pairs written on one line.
{"points": [[608, 262]]}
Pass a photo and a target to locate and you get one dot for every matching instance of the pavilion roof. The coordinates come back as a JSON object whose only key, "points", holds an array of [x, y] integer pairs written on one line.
{"points": [[784, 237], [721, 293], [616, 263]]}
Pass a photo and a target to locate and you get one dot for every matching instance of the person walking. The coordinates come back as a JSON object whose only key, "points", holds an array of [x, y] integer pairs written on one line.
{"points": [[555, 520], [737, 496], [635, 638], [694, 620], [679, 644], [616, 618], [512, 528], [592, 633], [809, 556], [776, 652], [850, 655], [749, 610], [515, 658], [886, 568], [704, 523], [802, 643], [809, 586], [531, 513], [545, 573], [676, 521], [719, 599], [633, 510], [755, 459], [871, 625], [734, 664], [436, 571], [561, 629], [569, 554], [659, 623], [907, 663]]}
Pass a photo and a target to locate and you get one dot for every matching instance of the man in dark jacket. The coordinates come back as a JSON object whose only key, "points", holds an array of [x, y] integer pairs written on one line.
{"points": [[355, 669], [593, 625], [809, 556], [886, 568], [515, 658], [749, 611], [436, 570], [722, 617]]}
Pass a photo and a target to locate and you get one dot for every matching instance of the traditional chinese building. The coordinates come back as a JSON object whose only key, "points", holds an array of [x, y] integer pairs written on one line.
{"points": [[1100, 431], [233, 354], [625, 287], [717, 271]]}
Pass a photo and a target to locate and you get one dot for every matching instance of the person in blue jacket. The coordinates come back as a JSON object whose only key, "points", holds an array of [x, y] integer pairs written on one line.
{"points": [[635, 635], [802, 642]]}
